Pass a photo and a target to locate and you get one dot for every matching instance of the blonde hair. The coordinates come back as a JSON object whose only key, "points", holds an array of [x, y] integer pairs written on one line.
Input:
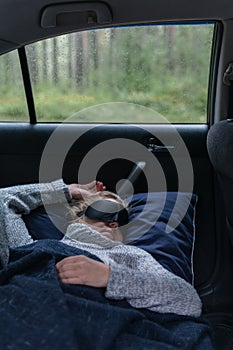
{"points": [[82, 204]]}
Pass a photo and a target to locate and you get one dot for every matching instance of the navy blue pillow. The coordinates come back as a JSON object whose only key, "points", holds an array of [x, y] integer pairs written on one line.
{"points": [[171, 245], [149, 218], [43, 226]]}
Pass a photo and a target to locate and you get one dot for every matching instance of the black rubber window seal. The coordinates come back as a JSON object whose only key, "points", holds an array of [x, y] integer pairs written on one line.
{"points": [[27, 84]]}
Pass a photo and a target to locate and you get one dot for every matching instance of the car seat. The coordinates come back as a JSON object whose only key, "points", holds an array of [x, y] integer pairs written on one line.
{"points": [[220, 149]]}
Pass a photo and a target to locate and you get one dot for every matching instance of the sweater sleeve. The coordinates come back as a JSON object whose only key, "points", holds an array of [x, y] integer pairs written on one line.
{"points": [[18, 200], [158, 289]]}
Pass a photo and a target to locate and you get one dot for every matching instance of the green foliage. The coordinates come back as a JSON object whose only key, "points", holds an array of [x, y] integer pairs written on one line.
{"points": [[162, 68], [12, 104]]}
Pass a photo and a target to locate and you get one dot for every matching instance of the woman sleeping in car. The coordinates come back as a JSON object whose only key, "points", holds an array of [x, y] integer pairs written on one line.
{"points": [[125, 271]]}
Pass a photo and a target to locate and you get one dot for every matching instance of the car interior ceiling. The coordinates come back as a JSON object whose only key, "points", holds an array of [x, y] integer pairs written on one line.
{"points": [[22, 144]]}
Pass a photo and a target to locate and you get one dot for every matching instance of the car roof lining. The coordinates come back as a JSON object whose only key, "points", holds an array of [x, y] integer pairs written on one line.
{"points": [[26, 24]]}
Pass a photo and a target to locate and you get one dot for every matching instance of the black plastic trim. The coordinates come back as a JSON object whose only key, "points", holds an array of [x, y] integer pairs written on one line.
{"points": [[27, 84], [217, 42], [96, 12]]}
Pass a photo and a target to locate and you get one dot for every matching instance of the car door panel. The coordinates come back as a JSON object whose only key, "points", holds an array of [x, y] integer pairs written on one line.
{"points": [[23, 146]]}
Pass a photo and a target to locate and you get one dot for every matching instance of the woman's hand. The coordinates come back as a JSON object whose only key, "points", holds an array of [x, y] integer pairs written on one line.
{"points": [[78, 191], [80, 269]]}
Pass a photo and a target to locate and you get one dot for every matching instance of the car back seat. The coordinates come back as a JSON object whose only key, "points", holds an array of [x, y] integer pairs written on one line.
{"points": [[220, 148]]}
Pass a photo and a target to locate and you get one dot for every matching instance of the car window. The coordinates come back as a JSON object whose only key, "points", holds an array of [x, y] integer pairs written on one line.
{"points": [[140, 74], [13, 105]]}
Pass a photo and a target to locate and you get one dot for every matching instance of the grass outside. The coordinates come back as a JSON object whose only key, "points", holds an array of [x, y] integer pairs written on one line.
{"points": [[177, 103]]}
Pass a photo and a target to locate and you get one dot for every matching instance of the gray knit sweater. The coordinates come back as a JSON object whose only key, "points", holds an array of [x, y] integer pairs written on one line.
{"points": [[134, 274]]}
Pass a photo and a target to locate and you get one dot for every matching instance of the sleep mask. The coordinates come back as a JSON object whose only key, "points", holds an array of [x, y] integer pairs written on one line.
{"points": [[107, 211]]}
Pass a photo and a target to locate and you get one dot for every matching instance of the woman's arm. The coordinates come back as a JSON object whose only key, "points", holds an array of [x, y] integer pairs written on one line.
{"points": [[18, 200], [151, 286], [159, 291]]}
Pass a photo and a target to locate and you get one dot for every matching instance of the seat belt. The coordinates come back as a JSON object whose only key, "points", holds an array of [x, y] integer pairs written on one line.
{"points": [[228, 80]]}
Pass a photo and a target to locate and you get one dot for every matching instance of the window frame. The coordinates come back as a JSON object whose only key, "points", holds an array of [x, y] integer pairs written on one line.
{"points": [[212, 81]]}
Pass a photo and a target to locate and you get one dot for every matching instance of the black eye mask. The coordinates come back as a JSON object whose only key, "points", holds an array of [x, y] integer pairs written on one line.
{"points": [[107, 211]]}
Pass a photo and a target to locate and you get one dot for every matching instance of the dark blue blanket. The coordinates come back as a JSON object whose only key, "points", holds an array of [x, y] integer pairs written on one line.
{"points": [[38, 312]]}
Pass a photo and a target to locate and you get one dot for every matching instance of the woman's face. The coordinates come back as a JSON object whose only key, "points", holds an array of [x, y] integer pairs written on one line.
{"points": [[107, 229]]}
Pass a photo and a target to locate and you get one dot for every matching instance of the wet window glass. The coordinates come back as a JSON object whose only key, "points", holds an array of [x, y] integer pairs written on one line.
{"points": [[143, 74], [13, 106]]}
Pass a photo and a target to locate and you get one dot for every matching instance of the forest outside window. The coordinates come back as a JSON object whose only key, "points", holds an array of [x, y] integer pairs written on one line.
{"points": [[13, 104], [118, 75]]}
